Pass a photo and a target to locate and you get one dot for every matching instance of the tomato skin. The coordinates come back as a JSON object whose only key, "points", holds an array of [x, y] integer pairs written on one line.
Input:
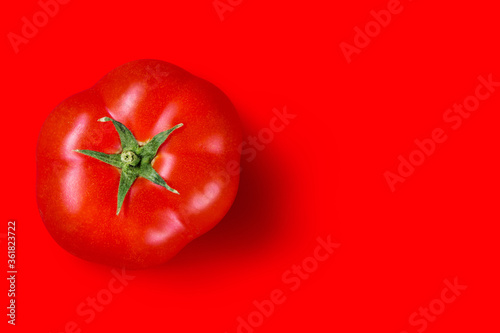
{"points": [[77, 194]]}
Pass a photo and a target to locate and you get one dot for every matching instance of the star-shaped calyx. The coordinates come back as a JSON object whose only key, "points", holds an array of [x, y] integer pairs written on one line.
{"points": [[133, 160]]}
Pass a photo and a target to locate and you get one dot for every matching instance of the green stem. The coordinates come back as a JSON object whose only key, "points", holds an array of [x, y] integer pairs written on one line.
{"points": [[130, 158], [134, 161]]}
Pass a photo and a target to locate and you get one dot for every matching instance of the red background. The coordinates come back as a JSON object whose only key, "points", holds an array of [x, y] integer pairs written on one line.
{"points": [[323, 175]]}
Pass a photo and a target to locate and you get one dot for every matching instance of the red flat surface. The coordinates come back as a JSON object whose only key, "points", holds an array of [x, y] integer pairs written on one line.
{"points": [[401, 248]]}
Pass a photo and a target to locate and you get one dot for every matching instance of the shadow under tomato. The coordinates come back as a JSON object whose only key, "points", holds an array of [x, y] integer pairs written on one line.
{"points": [[253, 221]]}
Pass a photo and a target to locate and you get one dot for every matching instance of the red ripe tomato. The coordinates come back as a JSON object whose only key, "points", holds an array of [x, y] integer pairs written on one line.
{"points": [[132, 169]]}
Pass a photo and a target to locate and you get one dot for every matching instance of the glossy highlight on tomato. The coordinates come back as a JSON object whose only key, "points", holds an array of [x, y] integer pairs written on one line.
{"points": [[132, 169]]}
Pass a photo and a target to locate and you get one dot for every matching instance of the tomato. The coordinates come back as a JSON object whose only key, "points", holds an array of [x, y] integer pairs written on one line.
{"points": [[132, 169]]}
